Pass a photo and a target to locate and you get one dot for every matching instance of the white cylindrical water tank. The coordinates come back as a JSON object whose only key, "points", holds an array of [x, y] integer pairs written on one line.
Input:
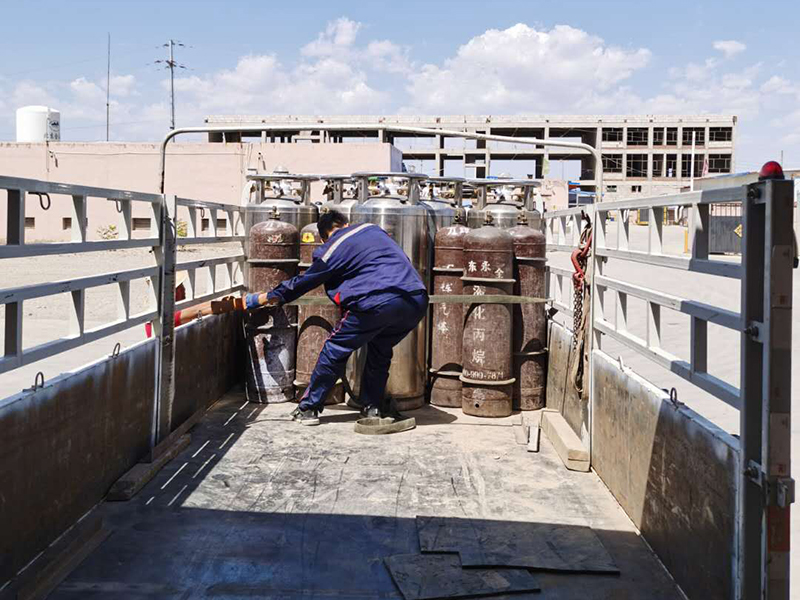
{"points": [[38, 124]]}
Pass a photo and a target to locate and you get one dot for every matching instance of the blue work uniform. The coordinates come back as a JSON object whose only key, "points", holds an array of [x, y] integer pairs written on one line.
{"points": [[383, 297]]}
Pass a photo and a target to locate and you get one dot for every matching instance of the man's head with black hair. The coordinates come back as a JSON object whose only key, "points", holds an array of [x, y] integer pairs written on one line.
{"points": [[329, 221]]}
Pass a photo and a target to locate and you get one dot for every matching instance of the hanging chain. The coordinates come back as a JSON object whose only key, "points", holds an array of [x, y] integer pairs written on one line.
{"points": [[579, 282]]}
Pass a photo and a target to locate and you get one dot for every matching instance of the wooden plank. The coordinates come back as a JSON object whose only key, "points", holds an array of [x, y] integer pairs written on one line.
{"points": [[127, 486], [566, 443]]}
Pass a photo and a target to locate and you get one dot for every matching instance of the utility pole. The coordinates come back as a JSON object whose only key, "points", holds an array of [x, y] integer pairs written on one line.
{"points": [[691, 180], [108, 89], [172, 65]]}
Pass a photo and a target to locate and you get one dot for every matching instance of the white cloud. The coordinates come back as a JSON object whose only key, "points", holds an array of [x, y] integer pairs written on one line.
{"points": [[729, 47], [339, 36], [522, 69]]}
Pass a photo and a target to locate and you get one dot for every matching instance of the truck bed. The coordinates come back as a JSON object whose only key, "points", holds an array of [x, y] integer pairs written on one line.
{"points": [[261, 507]]}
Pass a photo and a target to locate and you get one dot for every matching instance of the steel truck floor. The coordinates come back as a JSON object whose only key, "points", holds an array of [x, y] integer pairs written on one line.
{"points": [[261, 507]]}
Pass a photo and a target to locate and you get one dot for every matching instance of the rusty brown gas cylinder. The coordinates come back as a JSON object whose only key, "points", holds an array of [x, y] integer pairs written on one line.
{"points": [[530, 330], [448, 319], [271, 332], [487, 375], [315, 322]]}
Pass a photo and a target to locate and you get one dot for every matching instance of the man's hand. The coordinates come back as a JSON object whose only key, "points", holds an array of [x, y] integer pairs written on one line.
{"points": [[254, 301]]}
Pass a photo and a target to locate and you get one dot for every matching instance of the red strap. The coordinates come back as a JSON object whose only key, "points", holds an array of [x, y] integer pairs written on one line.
{"points": [[337, 298]]}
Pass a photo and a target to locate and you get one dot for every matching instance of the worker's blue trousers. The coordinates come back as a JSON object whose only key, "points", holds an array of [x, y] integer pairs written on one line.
{"points": [[379, 329]]}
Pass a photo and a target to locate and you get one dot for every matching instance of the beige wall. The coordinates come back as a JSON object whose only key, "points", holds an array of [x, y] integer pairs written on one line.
{"points": [[554, 194], [201, 171]]}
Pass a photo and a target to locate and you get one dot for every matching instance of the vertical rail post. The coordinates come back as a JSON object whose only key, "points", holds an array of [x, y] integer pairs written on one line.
{"points": [[165, 324], [15, 223], [766, 490]]}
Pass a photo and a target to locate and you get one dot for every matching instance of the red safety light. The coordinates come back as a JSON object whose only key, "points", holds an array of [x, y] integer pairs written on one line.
{"points": [[770, 170]]}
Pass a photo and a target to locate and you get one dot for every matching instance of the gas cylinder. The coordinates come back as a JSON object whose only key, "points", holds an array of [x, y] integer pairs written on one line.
{"points": [[487, 375], [271, 331], [530, 331], [391, 200], [316, 322], [448, 319]]}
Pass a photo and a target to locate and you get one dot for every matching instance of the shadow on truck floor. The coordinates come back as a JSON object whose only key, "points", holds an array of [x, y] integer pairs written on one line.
{"points": [[261, 507]]}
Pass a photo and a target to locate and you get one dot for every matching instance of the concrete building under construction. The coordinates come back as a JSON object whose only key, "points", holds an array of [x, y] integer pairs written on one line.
{"points": [[642, 154]]}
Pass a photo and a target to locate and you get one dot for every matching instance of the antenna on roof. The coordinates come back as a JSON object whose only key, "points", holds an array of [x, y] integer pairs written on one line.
{"points": [[172, 64]]}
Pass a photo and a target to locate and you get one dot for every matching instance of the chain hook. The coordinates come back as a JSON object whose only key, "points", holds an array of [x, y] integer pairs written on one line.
{"points": [[38, 382], [115, 352]]}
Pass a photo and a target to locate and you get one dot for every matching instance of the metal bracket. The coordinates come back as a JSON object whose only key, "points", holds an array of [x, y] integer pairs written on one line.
{"points": [[784, 490], [755, 473]]}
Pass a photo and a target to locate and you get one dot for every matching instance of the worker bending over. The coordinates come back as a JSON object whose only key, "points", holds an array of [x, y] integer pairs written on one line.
{"points": [[366, 273]]}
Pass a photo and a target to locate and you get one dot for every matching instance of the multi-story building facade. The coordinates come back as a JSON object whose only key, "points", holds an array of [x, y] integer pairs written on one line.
{"points": [[642, 154]]}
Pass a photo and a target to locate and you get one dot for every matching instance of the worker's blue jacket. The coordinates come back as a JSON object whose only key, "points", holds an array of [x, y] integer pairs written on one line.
{"points": [[361, 268]]}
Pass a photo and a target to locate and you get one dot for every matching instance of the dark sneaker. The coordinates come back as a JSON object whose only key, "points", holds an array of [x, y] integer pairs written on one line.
{"points": [[371, 411], [305, 417]]}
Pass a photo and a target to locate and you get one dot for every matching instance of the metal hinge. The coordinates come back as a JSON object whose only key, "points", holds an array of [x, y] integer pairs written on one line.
{"points": [[778, 491]]}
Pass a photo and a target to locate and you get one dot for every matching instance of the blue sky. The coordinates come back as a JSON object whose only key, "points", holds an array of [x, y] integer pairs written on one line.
{"points": [[447, 57]]}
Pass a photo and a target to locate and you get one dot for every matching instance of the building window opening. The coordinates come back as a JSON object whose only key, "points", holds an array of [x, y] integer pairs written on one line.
{"points": [[636, 189], [612, 163], [672, 136], [612, 189], [30, 222], [637, 136], [221, 224], [612, 134], [719, 163], [658, 136], [700, 136], [66, 223], [658, 165], [720, 134], [672, 165], [636, 165], [140, 223]]}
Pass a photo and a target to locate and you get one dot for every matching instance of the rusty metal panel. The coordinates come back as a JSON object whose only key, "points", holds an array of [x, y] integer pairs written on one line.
{"points": [[530, 545], [428, 577], [673, 473], [65, 444], [208, 362]]}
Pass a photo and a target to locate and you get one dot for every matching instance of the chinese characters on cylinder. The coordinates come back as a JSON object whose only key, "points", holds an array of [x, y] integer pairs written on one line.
{"points": [[487, 375], [448, 319]]}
